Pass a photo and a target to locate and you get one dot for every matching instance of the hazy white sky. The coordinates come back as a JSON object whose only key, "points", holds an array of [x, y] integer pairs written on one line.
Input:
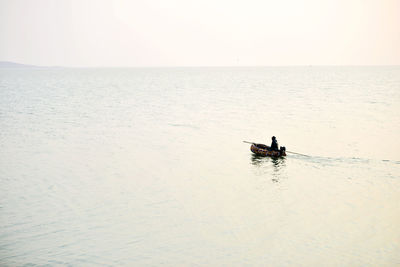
{"points": [[200, 33]]}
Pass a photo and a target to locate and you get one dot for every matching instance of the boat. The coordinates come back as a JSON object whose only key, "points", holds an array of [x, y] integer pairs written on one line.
{"points": [[263, 150]]}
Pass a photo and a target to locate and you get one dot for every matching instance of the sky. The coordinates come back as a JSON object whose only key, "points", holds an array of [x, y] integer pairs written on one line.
{"points": [[101, 33]]}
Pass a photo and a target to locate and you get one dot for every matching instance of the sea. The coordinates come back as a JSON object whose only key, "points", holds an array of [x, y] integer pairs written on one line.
{"points": [[147, 166]]}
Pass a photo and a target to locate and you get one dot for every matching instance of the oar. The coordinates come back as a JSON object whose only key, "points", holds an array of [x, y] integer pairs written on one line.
{"points": [[249, 142], [297, 153]]}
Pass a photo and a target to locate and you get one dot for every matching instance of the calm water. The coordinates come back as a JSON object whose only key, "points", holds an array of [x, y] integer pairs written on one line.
{"points": [[146, 167]]}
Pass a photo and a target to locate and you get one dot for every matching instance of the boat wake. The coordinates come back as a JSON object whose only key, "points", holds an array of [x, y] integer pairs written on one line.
{"points": [[348, 160]]}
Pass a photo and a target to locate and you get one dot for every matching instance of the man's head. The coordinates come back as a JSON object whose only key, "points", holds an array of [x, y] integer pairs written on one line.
{"points": [[273, 138]]}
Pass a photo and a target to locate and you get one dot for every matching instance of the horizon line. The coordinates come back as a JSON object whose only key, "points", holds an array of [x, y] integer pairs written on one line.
{"points": [[16, 65]]}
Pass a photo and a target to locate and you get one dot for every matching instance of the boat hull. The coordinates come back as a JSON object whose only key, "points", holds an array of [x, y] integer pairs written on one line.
{"points": [[263, 151]]}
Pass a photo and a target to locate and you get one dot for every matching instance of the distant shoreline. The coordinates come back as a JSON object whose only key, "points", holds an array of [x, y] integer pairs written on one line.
{"points": [[8, 64]]}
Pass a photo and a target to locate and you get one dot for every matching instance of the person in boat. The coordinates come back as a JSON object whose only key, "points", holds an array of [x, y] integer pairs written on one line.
{"points": [[274, 144]]}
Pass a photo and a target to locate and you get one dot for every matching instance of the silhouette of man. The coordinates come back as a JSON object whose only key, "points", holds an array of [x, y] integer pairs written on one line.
{"points": [[274, 144]]}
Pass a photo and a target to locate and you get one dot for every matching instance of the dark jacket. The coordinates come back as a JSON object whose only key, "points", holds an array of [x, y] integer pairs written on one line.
{"points": [[274, 145]]}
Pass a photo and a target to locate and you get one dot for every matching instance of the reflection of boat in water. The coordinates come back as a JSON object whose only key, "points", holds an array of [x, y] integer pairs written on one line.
{"points": [[263, 150], [267, 166]]}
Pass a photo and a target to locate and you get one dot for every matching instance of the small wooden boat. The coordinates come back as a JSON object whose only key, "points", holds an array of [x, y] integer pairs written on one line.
{"points": [[263, 150]]}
